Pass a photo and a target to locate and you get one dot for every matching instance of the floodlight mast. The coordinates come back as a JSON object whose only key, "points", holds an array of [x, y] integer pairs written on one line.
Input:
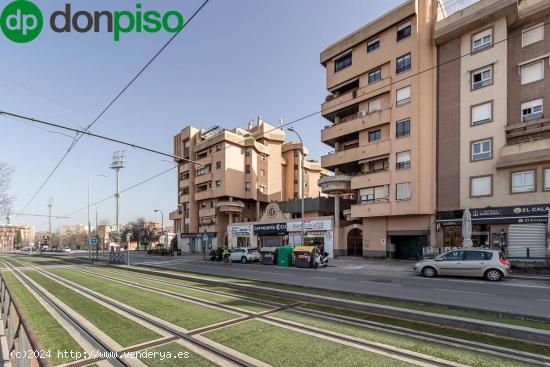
{"points": [[119, 161]]}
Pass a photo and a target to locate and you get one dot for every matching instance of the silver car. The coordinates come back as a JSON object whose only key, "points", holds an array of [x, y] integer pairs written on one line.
{"points": [[488, 264]]}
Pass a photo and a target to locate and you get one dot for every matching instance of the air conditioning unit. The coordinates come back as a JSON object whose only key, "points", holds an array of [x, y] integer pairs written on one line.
{"points": [[361, 113]]}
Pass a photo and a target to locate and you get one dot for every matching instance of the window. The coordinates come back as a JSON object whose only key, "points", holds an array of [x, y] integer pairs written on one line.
{"points": [[482, 150], [482, 77], [247, 186], [532, 34], [262, 172], [481, 186], [375, 105], [295, 167], [403, 128], [374, 194], [262, 188], [477, 255], [342, 62], [296, 153], [218, 183], [403, 96], [296, 182], [403, 191], [373, 45], [375, 135], [403, 160], [453, 256], [263, 156], [482, 40], [375, 76], [546, 179], [531, 110], [202, 171], [247, 169], [532, 72], [403, 31], [247, 152], [481, 113], [523, 181], [403, 63], [218, 164], [218, 147]]}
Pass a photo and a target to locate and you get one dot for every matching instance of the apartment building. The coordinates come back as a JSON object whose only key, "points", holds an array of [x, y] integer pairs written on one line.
{"points": [[381, 113], [493, 134], [229, 176], [10, 234]]}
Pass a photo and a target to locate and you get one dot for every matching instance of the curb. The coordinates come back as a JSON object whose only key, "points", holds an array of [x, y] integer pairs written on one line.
{"points": [[489, 327]]}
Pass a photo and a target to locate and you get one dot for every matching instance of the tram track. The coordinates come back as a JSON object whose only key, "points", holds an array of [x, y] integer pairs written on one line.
{"points": [[436, 338]]}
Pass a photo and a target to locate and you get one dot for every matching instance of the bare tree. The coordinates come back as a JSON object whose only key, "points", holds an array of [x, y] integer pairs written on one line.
{"points": [[6, 201]]}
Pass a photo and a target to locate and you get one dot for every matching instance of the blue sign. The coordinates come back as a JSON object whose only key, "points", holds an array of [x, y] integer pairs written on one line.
{"points": [[93, 241], [205, 237]]}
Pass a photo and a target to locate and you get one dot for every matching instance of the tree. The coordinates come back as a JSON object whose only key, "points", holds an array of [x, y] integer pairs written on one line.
{"points": [[142, 231], [17, 239], [6, 200]]}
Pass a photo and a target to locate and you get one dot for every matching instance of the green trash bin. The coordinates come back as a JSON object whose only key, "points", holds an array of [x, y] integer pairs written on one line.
{"points": [[284, 256]]}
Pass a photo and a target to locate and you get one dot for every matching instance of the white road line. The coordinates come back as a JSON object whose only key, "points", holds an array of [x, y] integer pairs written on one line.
{"points": [[525, 286], [323, 278], [380, 283], [452, 290], [543, 300]]}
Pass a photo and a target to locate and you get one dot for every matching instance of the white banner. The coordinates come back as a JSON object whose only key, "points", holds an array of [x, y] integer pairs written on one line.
{"points": [[310, 224]]}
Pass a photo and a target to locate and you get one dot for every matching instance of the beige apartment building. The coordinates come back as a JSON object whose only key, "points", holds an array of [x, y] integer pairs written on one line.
{"points": [[493, 132], [9, 233], [381, 113], [229, 176]]}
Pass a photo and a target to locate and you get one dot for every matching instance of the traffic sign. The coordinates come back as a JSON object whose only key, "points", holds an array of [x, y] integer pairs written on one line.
{"points": [[93, 241], [205, 236]]}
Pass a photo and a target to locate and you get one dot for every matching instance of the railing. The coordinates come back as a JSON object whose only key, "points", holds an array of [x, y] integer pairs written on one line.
{"points": [[403, 165], [446, 8], [19, 335]]}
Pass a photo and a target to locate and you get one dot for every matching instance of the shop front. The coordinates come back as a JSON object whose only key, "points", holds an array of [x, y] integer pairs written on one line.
{"points": [[271, 234], [520, 231], [194, 242], [317, 232], [241, 235]]}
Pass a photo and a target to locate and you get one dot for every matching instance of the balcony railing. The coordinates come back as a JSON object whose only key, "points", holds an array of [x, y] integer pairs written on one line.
{"points": [[403, 165], [446, 8]]}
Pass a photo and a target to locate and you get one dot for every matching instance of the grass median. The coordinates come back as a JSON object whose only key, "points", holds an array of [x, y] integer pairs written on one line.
{"points": [[51, 335], [124, 331], [173, 355], [185, 314], [281, 347], [440, 350]]}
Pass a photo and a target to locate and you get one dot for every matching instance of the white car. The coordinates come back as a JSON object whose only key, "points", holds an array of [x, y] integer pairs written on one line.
{"points": [[244, 255]]}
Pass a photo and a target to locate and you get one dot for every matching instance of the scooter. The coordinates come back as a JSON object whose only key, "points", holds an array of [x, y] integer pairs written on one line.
{"points": [[320, 260]]}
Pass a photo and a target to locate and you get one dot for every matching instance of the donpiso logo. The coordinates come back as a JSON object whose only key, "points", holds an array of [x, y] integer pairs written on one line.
{"points": [[21, 21]]}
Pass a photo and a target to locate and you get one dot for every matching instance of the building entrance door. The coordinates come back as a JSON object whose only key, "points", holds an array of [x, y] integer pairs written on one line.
{"points": [[355, 242]]}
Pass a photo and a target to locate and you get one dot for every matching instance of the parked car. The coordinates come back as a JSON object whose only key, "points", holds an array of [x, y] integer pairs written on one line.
{"points": [[68, 249], [488, 264], [244, 255]]}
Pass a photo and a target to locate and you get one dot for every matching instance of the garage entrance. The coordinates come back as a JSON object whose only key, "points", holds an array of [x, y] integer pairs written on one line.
{"points": [[355, 242], [409, 247]]}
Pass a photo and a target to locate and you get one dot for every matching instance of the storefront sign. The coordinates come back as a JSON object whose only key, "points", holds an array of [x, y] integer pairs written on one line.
{"points": [[240, 229], [271, 228], [536, 213], [197, 235], [310, 224]]}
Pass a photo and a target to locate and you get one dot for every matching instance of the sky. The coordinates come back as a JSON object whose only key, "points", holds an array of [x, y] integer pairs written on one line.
{"points": [[236, 60]]}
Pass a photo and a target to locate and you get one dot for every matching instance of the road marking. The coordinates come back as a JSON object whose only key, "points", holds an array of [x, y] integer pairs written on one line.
{"points": [[525, 286], [324, 278], [379, 283], [467, 292], [543, 300]]}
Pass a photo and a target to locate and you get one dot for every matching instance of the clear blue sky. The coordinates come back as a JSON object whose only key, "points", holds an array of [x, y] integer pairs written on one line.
{"points": [[237, 59]]}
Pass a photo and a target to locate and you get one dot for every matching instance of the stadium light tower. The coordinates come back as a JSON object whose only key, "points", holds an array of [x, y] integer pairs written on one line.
{"points": [[119, 161]]}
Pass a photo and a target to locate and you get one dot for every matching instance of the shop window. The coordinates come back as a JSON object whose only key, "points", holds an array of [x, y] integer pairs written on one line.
{"points": [[523, 181]]}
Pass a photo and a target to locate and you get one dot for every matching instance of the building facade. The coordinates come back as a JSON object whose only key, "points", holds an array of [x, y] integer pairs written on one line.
{"points": [[10, 234], [493, 134], [229, 176], [381, 113]]}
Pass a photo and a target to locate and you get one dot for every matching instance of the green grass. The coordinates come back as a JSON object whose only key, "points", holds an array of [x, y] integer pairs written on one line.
{"points": [[224, 300], [478, 315], [185, 314], [281, 347], [11, 261], [124, 331], [51, 335], [175, 355], [418, 326], [439, 350]]}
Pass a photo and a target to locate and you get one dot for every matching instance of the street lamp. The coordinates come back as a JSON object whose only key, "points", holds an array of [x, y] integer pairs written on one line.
{"points": [[302, 179], [161, 225], [89, 184]]}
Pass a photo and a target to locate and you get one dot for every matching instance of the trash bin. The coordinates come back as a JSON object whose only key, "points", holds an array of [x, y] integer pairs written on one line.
{"points": [[284, 256], [303, 256], [268, 255]]}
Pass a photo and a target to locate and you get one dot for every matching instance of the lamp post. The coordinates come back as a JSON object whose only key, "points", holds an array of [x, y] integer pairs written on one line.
{"points": [[161, 225], [302, 168], [89, 185]]}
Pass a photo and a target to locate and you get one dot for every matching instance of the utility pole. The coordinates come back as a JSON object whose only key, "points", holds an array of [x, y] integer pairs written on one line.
{"points": [[50, 204], [302, 180], [119, 161], [89, 223], [161, 225]]}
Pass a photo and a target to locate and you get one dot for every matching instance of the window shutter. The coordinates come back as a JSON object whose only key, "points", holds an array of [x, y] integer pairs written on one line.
{"points": [[403, 156], [481, 186], [482, 112], [403, 93], [375, 105], [547, 178], [532, 34], [403, 191], [532, 72], [381, 192]]}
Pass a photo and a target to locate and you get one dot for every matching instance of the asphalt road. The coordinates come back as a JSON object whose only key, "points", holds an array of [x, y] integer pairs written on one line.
{"points": [[382, 278]]}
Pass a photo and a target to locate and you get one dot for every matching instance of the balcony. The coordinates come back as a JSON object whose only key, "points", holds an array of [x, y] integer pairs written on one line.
{"points": [[207, 212], [355, 154], [333, 104], [376, 209], [184, 167], [184, 198], [230, 207], [175, 215], [530, 130], [330, 134], [370, 180], [347, 215], [525, 153], [183, 183], [202, 195], [203, 178], [335, 185]]}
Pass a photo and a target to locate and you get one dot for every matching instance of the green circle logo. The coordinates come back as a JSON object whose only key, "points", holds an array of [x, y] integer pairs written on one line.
{"points": [[21, 21]]}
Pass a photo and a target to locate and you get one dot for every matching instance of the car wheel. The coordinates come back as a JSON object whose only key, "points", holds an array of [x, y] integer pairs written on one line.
{"points": [[429, 272], [243, 260], [493, 275]]}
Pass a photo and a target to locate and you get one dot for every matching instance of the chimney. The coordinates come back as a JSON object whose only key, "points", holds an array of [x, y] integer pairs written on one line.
{"points": [[260, 120], [250, 125]]}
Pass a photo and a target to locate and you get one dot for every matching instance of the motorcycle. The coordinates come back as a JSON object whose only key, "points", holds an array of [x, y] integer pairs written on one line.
{"points": [[320, 260]]}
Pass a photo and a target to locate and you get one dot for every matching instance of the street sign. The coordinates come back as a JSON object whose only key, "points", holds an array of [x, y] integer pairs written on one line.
{"points": [[205, 236], [128, 237], [93, 241]]}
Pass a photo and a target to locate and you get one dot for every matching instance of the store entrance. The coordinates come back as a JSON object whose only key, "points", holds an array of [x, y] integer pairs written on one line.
{"points": [[355, 242], [409, 247]]}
